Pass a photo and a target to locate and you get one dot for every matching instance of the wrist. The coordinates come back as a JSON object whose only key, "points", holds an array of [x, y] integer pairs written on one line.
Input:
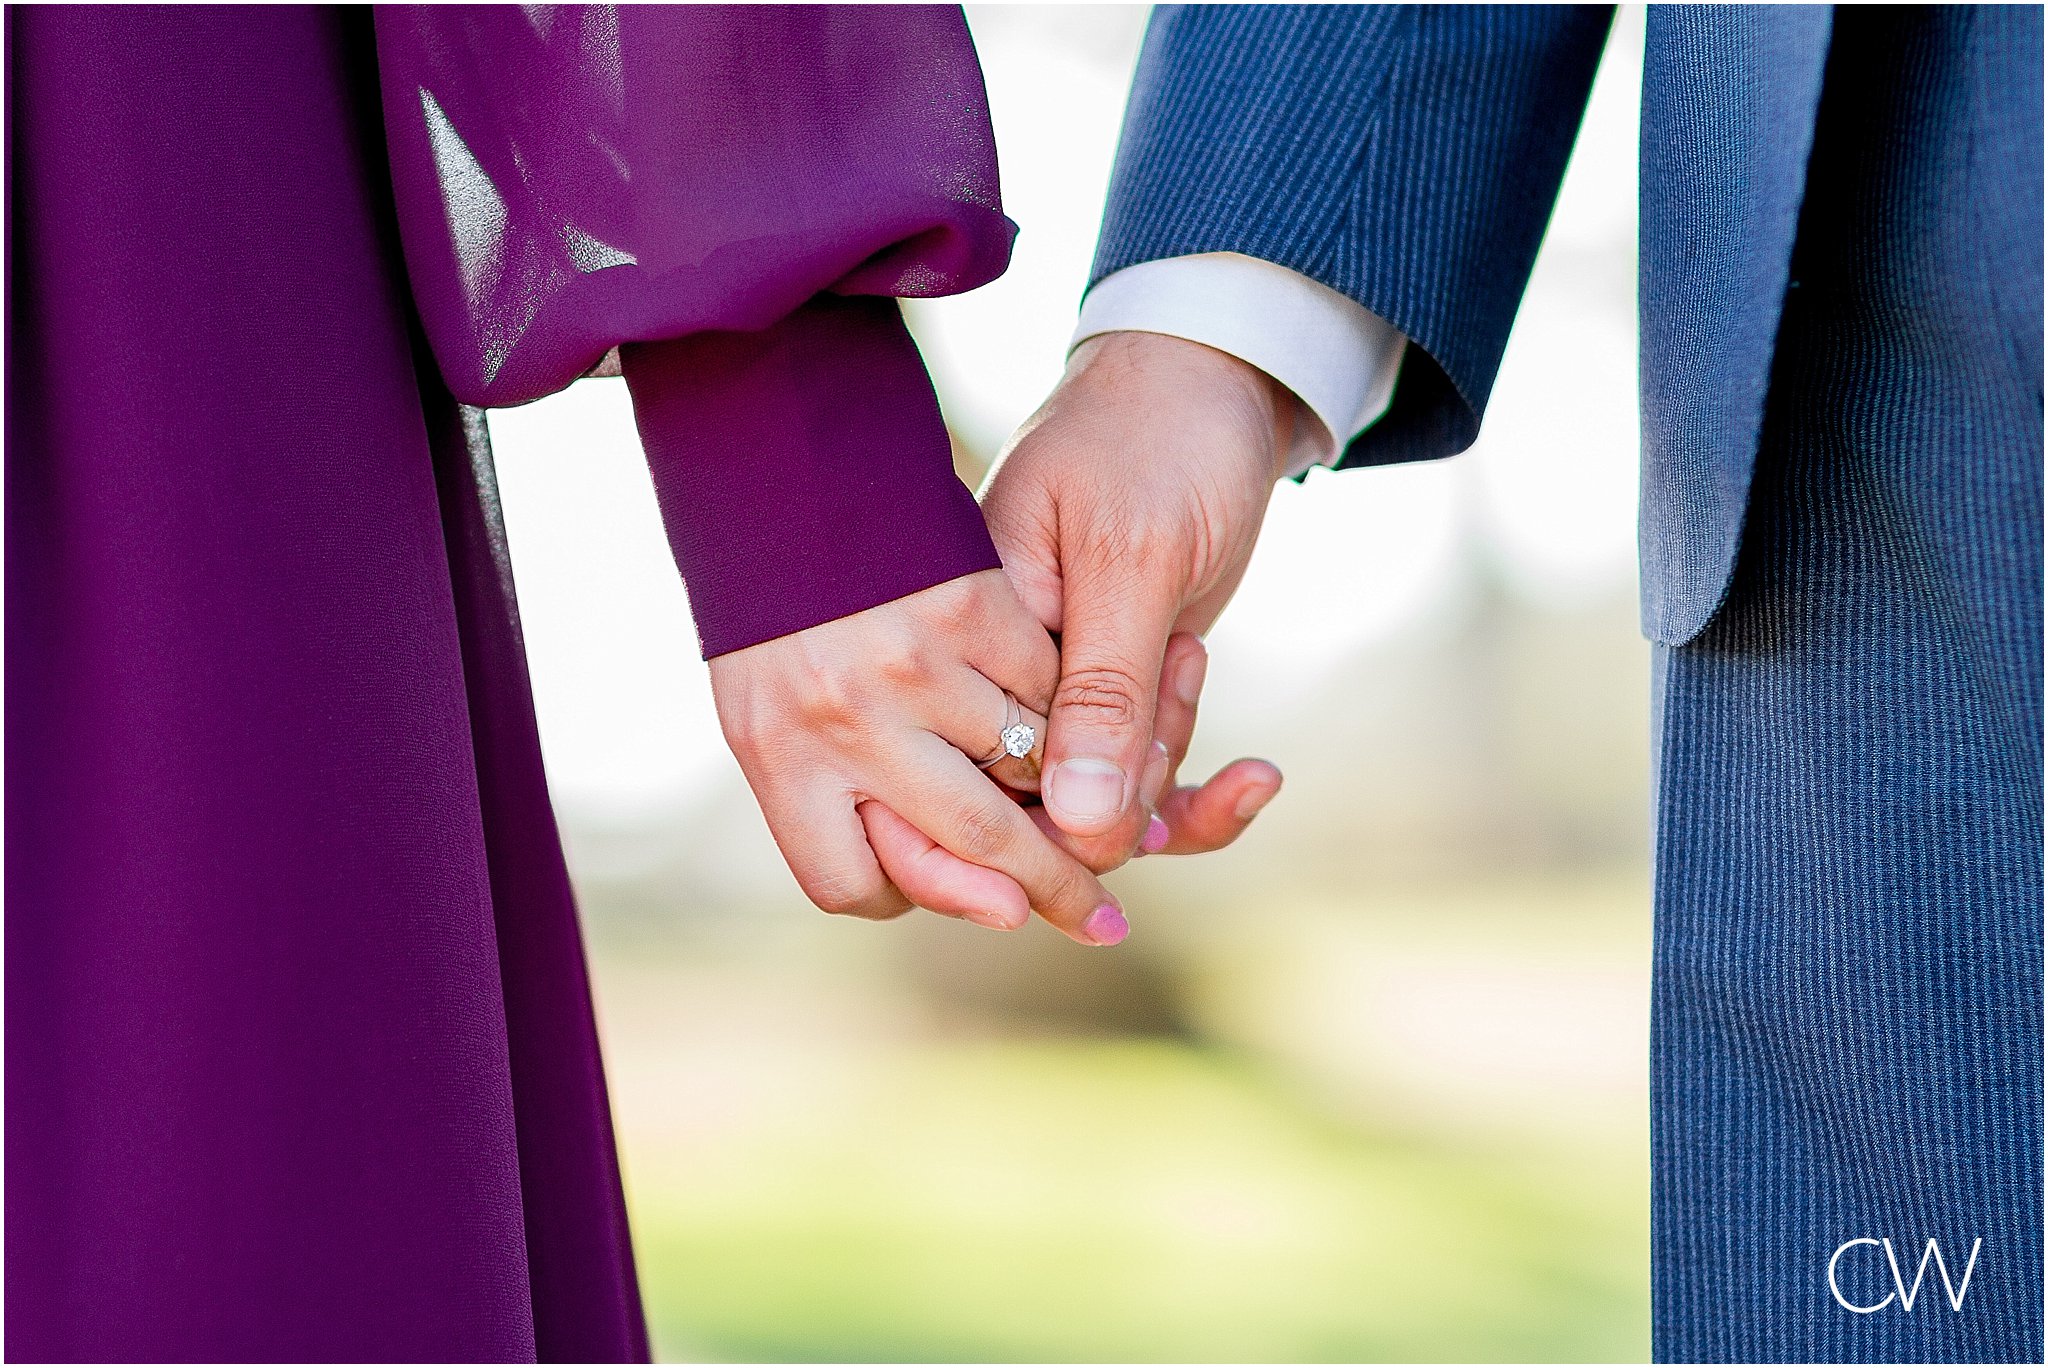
{"points": [[1179, 373]]}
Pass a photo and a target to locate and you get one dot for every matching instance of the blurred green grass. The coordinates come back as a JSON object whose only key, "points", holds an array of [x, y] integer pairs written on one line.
{"points": [[1368, 1086], [1077, 1199]]}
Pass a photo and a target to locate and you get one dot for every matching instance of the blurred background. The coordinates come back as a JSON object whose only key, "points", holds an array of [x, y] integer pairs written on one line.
{"points": [[1370, 1085]]}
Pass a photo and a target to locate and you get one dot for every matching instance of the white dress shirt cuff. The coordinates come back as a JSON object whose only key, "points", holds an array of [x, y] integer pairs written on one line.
{"points": [[1337, 356]]}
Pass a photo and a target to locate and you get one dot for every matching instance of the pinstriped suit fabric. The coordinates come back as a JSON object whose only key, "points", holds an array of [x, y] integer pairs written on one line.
{"points": [[1408, 157], [1358, 146], [1728, 100], [1848, 1000], [1848, 959]]}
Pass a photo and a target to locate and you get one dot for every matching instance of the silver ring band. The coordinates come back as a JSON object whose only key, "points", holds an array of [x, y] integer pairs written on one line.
{"points": [[1017, 738]]}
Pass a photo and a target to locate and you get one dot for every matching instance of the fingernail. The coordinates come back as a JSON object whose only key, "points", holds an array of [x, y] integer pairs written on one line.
{"points": [[1156, 837], [1086, 789], [1187, 679], [1249, 805], [1155, 775], [998, 921], [1106, 925]]}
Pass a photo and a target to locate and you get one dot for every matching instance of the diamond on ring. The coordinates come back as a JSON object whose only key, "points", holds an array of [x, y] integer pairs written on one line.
{"points": [[1017, 736]]}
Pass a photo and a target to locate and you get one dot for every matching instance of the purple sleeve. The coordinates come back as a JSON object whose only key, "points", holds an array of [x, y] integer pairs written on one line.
{"points": [[803, 470], [714, 189]]}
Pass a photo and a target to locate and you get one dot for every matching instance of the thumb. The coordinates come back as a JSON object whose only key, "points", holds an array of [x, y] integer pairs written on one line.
{"points": [[1115, 621]]}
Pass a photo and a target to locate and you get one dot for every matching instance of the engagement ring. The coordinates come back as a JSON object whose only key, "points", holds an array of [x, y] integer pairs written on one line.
{"points": [[1017, 736]]}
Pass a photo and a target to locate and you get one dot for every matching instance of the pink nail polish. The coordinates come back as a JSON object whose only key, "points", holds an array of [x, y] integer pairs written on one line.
{"points": [[1106, 925], [1156, 837]]}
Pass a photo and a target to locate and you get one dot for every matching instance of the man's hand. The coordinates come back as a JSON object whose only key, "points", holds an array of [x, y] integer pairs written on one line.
{"points": [[1125, 511]]}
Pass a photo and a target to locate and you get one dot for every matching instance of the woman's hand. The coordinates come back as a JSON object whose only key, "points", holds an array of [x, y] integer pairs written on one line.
{"points": [[856, 736]]}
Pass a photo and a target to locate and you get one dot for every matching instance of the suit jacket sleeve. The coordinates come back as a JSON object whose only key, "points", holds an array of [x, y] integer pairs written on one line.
{"points": [[732, 196], [1407, 156]]}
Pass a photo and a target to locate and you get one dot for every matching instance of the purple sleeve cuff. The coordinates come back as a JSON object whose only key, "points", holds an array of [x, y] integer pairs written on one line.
{"points": [[803, 471]]}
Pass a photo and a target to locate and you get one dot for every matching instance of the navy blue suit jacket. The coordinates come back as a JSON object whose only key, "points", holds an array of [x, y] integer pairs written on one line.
{"points": [[1841, 542], [1408, 156]]}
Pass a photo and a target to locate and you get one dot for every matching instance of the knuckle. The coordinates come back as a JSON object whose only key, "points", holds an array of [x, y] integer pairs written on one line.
{"points": [[960, 606], [1071, 887], [1104, 697], [742, 727], [753, 728], [833, 699], [983, 831], [844, 894], [824, 686], [901, 661]]}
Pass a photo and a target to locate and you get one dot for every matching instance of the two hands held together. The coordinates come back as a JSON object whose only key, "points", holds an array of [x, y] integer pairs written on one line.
{"points": [[1125, 511]]}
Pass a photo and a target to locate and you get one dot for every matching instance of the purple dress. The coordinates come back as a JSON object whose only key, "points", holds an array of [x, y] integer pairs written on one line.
{"points": [[300, 1055]]}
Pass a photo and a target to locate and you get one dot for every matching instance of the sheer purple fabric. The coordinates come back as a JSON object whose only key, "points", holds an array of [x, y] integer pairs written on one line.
{"points": [[300, 1057], [571, 178]]}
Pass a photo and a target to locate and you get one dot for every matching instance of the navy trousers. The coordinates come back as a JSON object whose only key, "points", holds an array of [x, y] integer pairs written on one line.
{"points": [[1848, 1026], [1842, 562], [1841, 363]]}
